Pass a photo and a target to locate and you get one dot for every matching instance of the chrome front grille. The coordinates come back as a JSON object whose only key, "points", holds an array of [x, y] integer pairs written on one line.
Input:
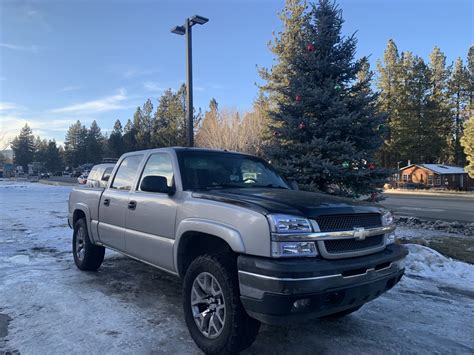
{"points": [[343, 247], [335, 223]]}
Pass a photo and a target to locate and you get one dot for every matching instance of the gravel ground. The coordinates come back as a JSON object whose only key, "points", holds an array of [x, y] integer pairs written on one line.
{"points": [[47, 306]]}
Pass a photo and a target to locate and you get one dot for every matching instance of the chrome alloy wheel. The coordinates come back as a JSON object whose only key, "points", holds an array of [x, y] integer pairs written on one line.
{"points": [[80, 244], [208, 306]]}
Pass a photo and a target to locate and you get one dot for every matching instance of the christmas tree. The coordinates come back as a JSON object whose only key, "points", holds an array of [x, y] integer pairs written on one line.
{"points": [[325, 126]]}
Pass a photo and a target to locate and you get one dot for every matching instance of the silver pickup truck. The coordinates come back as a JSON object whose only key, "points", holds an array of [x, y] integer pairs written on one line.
{"points": [[249, 248]]}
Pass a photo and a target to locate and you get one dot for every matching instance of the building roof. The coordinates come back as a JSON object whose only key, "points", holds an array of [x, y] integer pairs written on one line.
{"points": [[440, 168]]}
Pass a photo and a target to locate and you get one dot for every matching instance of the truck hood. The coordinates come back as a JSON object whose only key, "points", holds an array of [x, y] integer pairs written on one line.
{"points": [[282, 201]]}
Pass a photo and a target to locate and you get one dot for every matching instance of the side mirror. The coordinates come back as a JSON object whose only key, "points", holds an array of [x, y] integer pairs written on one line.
{"points": [[106, 178], [154, 183]]}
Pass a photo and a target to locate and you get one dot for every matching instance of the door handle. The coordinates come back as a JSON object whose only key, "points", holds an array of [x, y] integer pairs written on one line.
{"points": [[106, 202], [132, 205]]}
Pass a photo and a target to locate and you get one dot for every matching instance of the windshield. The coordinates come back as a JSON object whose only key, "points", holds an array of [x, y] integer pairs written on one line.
{"points": [[201, 170]]}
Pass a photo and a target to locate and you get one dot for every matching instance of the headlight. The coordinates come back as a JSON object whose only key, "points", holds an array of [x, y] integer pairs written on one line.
{"points": [[289, 224], [293, 249], [387, 219]]}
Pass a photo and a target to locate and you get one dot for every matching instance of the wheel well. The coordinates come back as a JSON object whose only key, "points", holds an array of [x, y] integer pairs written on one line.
{"points": [[78, 214], [194, 244]]}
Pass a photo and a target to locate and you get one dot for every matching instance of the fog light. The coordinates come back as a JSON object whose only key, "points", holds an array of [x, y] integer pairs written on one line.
{"points": [[391, 238], [302, 303]]}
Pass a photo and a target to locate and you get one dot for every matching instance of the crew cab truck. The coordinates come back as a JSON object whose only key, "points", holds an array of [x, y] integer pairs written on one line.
{"points": [[249, 248]]}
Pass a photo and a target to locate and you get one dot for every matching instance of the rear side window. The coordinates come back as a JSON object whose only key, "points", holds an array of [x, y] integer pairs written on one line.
{"points": [[126, 173], [107, 173], [159, 164]]}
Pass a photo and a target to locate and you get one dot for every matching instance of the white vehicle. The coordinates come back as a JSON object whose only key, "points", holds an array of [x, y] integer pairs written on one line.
{"points": [[99, 175], [82, 179]]}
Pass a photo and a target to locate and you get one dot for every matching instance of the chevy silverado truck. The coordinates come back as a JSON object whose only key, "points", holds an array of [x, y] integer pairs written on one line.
{"points": [[248, 247]]}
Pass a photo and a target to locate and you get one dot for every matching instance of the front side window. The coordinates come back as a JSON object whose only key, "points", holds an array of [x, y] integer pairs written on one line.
{"points": [[126, 173], [159, 165], [210, 170]]}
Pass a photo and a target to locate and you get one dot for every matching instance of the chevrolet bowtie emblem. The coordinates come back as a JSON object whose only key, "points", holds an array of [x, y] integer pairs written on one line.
{"points": [[360, 233]]}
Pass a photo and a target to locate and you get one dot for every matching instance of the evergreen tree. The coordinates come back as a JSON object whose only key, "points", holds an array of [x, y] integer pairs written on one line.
{"points": [[129, 141], [41, 147], [94, 144], [23, 147], [389, 84], [115, 143], [440, 118], [326, 129], [459, 96], [53, 161], [75, 145], [169, 128], [467, 142]]}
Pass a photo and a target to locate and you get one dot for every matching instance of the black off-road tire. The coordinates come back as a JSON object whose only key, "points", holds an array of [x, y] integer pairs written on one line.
{"points": [[341, 314], [93, 255], [239, 330]]}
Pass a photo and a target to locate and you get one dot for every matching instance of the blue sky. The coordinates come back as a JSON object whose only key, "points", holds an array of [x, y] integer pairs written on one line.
{"points": [[66, 60]]}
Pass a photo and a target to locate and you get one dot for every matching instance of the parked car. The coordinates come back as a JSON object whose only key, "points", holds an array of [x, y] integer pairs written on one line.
{"points": [[82, 179], [248, 248], [45, 175], [99, 175]]}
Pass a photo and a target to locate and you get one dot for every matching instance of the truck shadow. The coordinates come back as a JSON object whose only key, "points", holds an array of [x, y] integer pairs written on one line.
{"points": [[159, 296]]}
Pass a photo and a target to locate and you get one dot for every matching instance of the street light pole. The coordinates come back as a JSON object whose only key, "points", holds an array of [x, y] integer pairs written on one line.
{"points": [[189, 85], [187, 30]]}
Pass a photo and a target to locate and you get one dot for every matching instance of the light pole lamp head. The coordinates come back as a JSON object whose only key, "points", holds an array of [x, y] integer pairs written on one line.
{"points": [[179, 30], [196, 19]]}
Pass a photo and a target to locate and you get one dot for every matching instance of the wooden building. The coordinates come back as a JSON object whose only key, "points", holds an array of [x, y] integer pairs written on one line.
{"points": [[436, 175]]}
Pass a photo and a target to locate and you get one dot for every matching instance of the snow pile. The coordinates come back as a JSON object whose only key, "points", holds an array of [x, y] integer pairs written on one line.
{"points": [[428, 263], [438, 225]]}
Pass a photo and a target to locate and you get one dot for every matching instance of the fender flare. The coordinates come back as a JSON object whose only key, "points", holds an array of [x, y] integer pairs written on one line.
{"points": [[85, 209], [201, 225]]}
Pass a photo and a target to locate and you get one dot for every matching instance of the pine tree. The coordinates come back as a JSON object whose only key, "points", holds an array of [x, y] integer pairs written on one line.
{"points": [[41, 147], [326, 129], [129, 141], [467, 142], [115, 142], [459, 95], [440, 120], [388, 102], [75, 145], [53, 161], [94, 144], [23, 147], [169, 128]]}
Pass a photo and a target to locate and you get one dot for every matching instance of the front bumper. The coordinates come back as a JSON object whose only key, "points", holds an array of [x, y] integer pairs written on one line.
{"points": [[270, 287]]}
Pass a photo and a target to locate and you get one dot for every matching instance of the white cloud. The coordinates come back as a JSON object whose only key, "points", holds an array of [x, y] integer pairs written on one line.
{"points": [[153, 86], [109, 103], [16, 47], [70, 88], [136, 72], [7, 106]]}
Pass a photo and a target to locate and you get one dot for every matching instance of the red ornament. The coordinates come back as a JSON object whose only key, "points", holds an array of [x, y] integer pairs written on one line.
{"points": [[302, 125], [371, 166], [310, 47], [298, 98]]}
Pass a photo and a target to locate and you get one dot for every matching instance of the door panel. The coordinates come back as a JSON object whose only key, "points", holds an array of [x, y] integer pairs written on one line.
{"points": [[112, 218], [114, 203], [150, 225]]}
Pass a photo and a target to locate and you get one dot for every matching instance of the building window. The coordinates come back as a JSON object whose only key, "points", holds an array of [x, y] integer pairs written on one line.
{"points": [[454, 177], [430, 179], [405, 178], [438, 181], [410, 178]]}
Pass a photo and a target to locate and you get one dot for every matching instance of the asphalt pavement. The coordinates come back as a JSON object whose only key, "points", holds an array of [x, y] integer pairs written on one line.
{"points": [[443, 207]]}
